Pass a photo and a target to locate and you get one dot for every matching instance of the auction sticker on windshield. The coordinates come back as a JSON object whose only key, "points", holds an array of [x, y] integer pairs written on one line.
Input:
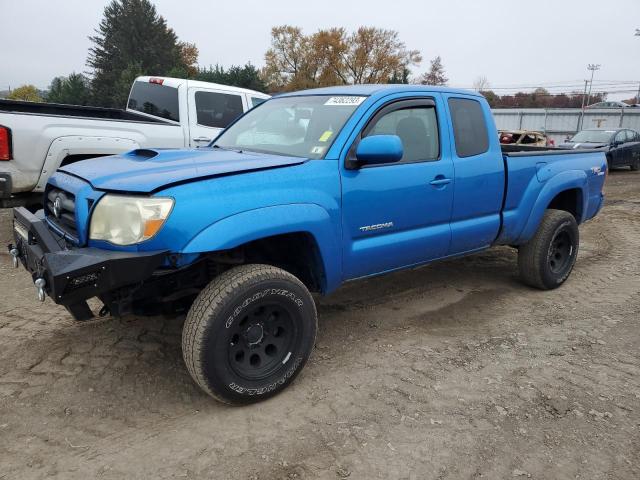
{"points": [[345, 100]]}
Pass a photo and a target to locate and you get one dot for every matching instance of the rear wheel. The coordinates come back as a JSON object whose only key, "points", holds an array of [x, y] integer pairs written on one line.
{"points": [[547, 260], [249, 333], [635, 164]]}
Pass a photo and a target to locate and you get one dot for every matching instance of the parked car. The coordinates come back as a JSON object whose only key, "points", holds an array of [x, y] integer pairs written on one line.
{"points": [[523, 137], [610, 104], [303, 193], [37, 138], [622, 146]]}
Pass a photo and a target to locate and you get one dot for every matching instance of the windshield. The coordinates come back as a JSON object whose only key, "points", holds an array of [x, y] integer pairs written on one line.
{"points": [[303, 126], [593, 136]]}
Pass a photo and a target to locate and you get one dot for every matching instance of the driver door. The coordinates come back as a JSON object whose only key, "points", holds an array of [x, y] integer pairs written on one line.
{"points": [[397, 214]]}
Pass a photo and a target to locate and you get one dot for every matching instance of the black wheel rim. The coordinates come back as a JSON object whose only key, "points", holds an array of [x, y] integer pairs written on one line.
{"points": [[261, 342], [560, 252]]}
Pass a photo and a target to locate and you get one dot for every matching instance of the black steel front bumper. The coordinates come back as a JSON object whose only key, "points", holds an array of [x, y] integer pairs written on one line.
{"points": [[73, 275]]}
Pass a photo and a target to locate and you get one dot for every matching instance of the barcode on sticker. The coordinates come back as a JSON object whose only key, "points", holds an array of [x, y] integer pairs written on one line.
{"points": [[345, 100]]}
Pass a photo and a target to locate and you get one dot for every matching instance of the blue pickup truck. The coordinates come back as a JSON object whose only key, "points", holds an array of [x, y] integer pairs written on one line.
{"points": [[304, 192]]}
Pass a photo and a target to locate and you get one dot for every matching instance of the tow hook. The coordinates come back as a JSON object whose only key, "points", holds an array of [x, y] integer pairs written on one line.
{"points": [[14, 256], [40, 283]]}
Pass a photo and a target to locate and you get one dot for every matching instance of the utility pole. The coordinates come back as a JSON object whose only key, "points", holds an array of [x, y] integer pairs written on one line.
{"points": [[584, 95], [638, 95], [593, 67]]}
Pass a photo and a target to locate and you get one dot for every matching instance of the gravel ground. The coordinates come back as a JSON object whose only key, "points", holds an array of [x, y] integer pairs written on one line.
{"points": [[453, 370]]}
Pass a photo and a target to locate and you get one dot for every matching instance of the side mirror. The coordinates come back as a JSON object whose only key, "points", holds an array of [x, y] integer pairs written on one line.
{"points": [[379, 149]]}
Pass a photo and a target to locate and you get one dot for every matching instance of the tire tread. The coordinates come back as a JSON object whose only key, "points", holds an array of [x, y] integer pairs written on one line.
{"points": [[211, 300], [530, 255]]}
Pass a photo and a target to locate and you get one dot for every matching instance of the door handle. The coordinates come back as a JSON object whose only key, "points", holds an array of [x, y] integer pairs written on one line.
{"points": [[202, 139], [439, 181]]}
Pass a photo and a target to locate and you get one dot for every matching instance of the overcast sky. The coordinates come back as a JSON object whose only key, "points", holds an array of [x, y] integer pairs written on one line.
{"points": [[539, 42]]}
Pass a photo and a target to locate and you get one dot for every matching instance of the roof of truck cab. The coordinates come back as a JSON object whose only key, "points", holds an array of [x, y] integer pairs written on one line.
{"points": [[176, 82], [373, 89]]}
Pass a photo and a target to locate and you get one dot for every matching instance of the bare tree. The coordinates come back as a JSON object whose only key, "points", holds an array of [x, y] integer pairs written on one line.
{"points": [[481, 84]]}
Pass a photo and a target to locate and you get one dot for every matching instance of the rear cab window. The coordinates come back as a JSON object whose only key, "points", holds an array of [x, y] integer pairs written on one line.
{"points": [[155, 99], [469, 127]]}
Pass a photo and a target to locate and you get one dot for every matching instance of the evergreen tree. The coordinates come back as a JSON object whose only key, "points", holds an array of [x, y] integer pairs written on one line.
{"points": [[435, 75], [131, 40], [73, 90], [246, 76]]}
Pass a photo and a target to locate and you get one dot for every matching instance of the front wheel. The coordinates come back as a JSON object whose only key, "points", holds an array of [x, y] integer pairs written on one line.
{"points": [[249, 333], [546, 260], [635, 165]]}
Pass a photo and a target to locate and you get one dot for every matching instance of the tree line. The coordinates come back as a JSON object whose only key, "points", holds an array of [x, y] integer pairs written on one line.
{"points": [[540, 98], [132, 39]]}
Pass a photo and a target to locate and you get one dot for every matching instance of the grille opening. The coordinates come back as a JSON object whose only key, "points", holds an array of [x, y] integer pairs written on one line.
{"points": [[60, 208]]}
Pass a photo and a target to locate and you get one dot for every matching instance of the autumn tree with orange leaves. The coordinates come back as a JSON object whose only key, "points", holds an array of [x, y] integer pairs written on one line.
{"points": [[334, 56]]}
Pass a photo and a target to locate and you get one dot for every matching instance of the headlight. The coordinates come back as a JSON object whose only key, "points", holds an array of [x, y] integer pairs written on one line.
{"points": [[126, 220]]}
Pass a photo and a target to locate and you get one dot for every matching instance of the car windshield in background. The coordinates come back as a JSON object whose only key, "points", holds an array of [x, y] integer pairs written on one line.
{"points": [[303, 126], [593, 136], [154, 99]]}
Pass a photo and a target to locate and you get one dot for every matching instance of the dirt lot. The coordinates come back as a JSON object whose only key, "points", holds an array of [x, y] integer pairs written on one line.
{"points": [[454, 370]]}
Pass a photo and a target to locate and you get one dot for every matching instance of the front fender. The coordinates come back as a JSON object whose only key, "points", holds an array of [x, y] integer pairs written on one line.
{"points": [[265, 222], [567, 180]]}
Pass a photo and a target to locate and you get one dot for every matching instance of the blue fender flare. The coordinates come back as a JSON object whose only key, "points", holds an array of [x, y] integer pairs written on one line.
{"points": [[567, 180], [250, 225]]}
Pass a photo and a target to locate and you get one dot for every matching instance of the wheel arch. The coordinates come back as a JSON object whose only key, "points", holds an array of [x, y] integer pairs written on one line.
{"points": [[72, 148], [298, 237], [566, 191]]}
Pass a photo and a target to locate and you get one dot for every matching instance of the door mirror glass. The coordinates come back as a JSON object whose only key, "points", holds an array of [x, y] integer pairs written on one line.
{"points": [[378, 149]]}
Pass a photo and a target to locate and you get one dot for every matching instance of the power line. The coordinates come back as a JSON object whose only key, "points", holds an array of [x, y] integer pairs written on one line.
{"points": [[596, 83]]}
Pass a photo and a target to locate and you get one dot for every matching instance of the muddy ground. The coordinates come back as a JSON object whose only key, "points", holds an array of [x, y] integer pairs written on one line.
{"points": [[454, 370]]}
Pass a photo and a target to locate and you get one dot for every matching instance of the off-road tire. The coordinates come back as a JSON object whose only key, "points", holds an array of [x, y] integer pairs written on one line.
{"points": [[538, 259], [236, 316]]}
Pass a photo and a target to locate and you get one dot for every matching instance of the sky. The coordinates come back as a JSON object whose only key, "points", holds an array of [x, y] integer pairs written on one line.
{"points": [[513, 44]]}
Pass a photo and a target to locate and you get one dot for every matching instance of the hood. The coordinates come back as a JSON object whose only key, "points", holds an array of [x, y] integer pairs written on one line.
{"points": [[581, 145], [146, 170]]}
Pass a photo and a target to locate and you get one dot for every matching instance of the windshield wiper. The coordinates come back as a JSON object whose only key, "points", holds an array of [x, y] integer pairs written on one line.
{"points": [[227, 149]]}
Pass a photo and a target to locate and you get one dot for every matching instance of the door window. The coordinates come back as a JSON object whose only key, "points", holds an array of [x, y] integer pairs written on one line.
{"points": [[469, 127], [217, 109], [621, 137], [417, 127]]}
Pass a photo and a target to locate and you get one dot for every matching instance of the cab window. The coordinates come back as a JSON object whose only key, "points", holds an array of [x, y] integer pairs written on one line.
{"points": [[417, 127], [469, 127]]}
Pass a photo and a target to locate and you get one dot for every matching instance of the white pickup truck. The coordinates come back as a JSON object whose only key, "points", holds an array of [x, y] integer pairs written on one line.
{"points": [[37, 138]]}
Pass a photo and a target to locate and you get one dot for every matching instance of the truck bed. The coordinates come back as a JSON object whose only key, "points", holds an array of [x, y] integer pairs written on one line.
{"points": [[61, 110], [530, 174], [528, 150]]}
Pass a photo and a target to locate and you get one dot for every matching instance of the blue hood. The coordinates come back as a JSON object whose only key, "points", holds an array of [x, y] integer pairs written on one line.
{"points": [[146, 170]]}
